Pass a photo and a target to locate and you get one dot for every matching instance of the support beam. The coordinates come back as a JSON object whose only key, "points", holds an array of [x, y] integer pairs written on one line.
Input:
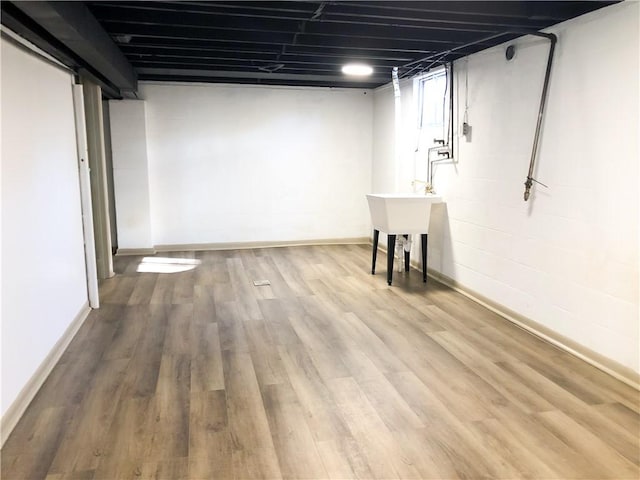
{"points": [[75, 26], [188, 72], [98, 177]]}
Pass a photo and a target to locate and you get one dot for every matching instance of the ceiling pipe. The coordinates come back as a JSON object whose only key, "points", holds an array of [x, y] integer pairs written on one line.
{"points": [[455, 49]]}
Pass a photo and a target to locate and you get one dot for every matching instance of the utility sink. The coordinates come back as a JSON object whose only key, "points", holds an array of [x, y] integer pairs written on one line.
{"points": [[401, 213]]}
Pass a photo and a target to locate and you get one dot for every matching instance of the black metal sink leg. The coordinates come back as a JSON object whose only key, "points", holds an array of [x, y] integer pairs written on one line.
{"points": [[376, 234], [423, 239], [407, 257], [391, 247]]}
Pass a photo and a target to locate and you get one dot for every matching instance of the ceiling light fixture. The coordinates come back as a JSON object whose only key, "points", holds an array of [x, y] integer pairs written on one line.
{"points": [[357, 69]]}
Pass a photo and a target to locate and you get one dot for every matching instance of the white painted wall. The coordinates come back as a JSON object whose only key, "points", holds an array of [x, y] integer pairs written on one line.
{"points": [[43, 270], [130, 173], [253, 163], [567, 259], [383, 154]]}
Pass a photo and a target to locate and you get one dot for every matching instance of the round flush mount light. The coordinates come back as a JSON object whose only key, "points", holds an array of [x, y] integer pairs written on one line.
{"points": [[357, 69]]}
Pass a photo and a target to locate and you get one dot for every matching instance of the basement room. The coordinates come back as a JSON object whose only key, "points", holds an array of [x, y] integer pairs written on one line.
{"points": [[320, 240]]}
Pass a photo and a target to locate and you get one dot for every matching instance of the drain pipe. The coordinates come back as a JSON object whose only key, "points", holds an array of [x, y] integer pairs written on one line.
{"points": [[397, 112], [543, 100]]}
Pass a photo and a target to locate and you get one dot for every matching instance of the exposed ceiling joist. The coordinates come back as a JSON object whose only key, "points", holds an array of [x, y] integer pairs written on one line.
{"points": [[284, 42]]}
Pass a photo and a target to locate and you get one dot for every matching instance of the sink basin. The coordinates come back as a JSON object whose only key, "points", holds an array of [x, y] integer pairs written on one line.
{"points": [[401, 213]]}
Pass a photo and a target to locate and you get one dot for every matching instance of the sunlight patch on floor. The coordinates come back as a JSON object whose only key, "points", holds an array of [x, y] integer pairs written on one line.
{"points": [[167, 265]]}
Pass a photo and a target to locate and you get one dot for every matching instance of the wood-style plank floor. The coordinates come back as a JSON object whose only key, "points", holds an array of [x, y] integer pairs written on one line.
{"points": [[326, 373]]}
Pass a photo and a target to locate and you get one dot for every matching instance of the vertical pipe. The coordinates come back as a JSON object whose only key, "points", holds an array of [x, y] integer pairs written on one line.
{"points": [[529, 182], [397, 130], [450, 136]]}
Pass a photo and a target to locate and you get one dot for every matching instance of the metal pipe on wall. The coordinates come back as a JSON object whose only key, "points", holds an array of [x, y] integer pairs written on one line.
{"points": [[543, 100], [415, 65]]}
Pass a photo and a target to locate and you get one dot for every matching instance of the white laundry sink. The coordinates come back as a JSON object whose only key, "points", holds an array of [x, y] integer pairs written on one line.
{"points": [[401, 213]]}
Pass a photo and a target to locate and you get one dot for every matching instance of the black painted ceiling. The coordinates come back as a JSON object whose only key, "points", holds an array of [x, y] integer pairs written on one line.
{"points": [[306, 43], [286, 42]]}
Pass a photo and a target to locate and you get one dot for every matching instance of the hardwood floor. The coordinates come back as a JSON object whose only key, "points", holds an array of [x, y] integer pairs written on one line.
{"points": [[325, 373]]}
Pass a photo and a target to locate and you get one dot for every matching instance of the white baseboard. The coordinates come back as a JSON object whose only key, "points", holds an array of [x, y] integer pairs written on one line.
{"points": [[17, 408], [611, 367], [189, 247], [193, 247]]}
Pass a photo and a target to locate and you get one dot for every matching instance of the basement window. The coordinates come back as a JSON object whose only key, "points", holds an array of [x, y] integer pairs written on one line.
{"points": [[434, 114]]}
